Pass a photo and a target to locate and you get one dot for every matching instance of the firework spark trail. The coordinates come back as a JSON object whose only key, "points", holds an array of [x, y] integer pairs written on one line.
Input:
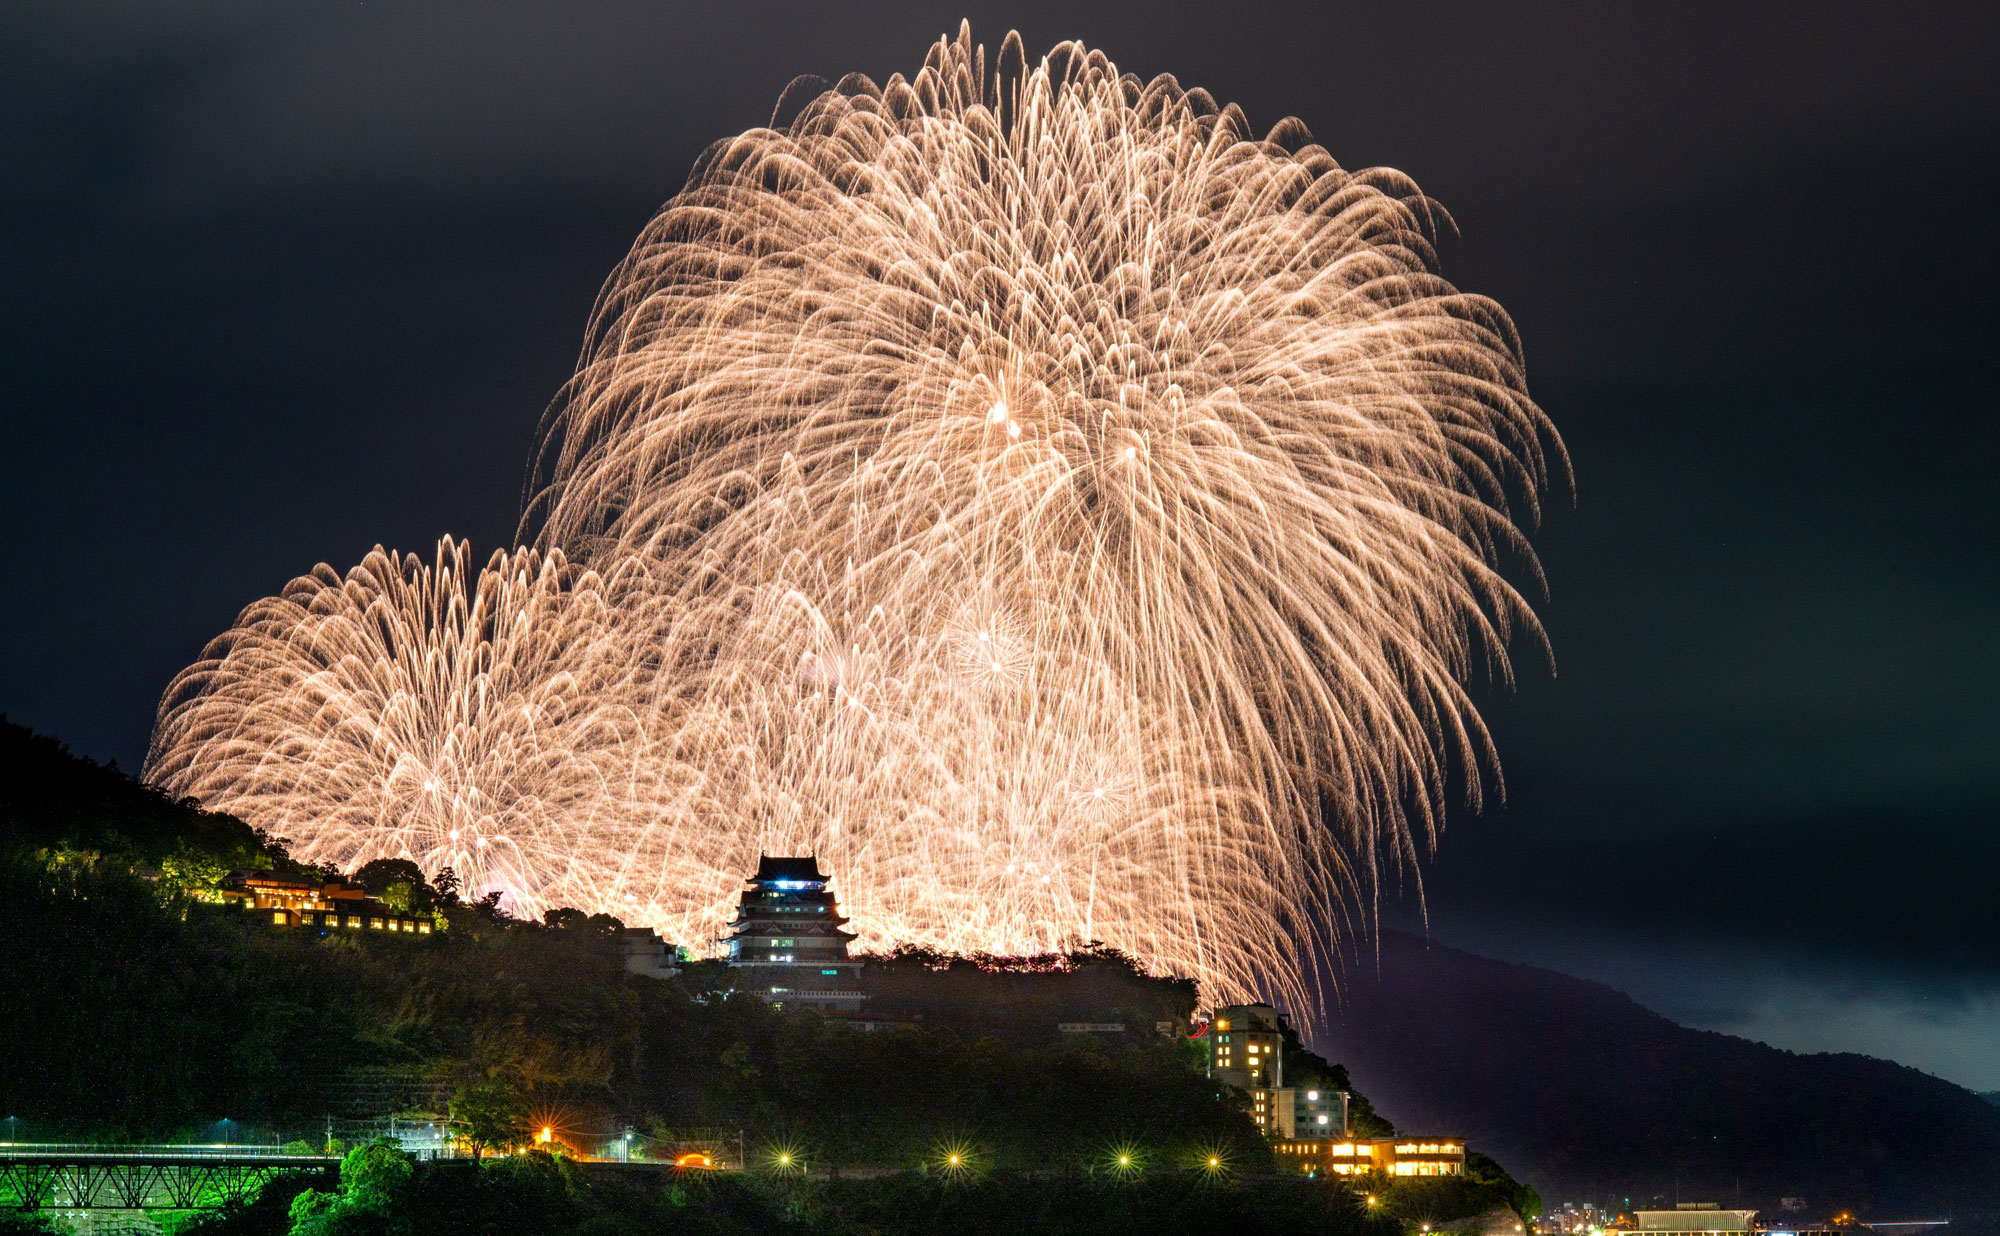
{"points": [[1065, 512], [483, 720]]}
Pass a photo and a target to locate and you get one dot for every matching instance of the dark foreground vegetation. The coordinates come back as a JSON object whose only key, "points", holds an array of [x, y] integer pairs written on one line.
{"points": [[138, 1011], [382, 1194]]}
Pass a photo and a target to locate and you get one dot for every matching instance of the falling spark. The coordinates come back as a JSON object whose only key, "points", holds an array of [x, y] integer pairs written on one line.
{"points": [[1070, 515]]}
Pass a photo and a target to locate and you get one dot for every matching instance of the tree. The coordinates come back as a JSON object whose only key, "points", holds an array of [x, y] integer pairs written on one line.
{"points": [[371, 1178], [1522, 1199], [398, 882], [490, 1114], [189, 872]]}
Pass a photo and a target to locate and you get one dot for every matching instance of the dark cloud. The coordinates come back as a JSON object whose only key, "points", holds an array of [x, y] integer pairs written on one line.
{"points": [[281, 283]]}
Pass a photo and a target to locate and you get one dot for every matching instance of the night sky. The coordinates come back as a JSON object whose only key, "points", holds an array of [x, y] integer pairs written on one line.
{"points": [[278, 283]]}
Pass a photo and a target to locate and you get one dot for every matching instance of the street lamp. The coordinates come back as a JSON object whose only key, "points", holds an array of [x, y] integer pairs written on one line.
{"points": [[225, 1130], [11, 1122]]}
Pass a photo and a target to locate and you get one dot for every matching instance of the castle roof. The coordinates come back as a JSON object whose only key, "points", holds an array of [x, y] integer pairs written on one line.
{"points": [[770, 868]]}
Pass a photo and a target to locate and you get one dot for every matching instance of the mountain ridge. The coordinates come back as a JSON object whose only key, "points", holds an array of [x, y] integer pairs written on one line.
{"points": [[1594, 1097]]}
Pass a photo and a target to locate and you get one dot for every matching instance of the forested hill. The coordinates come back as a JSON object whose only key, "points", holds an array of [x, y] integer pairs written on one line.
{"points": [[1593, 1098], [137, 1009], [50, 796]]}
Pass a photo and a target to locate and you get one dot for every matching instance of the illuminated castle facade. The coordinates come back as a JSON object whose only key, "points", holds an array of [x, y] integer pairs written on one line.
{"points": [[788, 939]]}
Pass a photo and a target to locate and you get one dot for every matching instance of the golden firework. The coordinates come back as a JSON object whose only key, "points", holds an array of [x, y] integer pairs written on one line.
{"points": [[1067, 513]]}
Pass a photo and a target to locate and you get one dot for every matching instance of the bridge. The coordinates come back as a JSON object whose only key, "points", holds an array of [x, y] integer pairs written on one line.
{"points": [[59, 1176]]}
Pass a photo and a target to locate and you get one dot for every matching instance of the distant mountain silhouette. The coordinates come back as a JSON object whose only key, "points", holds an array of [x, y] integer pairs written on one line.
{"points": [[1589, 1097]]}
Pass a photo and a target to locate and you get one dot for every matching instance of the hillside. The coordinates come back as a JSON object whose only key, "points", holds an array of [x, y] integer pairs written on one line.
{"points": [[1590, 1097], [136, 1010], [50, 796]]}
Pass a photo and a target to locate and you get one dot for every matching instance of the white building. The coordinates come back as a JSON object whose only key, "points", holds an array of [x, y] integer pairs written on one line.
{"points": [[1693, 1219]]}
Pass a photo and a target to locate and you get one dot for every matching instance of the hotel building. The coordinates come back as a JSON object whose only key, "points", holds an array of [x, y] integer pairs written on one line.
{"points": [[1374, 1156], [1273, 1111], [1247, 1048], [287, 901]]}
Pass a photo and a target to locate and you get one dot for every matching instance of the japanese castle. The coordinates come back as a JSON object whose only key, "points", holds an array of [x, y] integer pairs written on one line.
{"points": [[788, 938]]}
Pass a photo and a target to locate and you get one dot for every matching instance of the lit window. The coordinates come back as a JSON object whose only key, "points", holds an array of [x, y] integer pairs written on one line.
{"points": [[278, 917], [1322, 1119], [1312, 1095]]}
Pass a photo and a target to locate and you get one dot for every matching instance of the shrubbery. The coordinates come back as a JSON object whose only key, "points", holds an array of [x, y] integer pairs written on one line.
{"points": [[382, 1194]]}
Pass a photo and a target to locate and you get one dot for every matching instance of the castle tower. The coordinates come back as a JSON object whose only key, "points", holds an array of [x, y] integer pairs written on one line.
{"points": [[789, 938]]}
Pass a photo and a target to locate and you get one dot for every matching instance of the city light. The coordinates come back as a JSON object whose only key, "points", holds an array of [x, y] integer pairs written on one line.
{"points": [[954, 1160]]}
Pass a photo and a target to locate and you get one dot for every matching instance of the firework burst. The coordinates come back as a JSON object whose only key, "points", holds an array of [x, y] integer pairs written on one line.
{"points": [[1068, 513]]}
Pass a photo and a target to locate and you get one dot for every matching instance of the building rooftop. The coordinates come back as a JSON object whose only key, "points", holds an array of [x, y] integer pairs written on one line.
{"points": [[771, 868]]}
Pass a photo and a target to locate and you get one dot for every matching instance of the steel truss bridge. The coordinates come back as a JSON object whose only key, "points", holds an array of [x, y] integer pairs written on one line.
{"points": [[83, 1177]]}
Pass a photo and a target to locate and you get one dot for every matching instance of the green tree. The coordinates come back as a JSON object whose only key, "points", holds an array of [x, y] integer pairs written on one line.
{"points": [[371, 1178], [1522, 1199], [398, 882], [490, 1114], [189, 872]]}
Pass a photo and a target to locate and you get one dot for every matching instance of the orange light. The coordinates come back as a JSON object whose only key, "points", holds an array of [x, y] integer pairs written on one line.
{"points": [[548, 1134]]}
